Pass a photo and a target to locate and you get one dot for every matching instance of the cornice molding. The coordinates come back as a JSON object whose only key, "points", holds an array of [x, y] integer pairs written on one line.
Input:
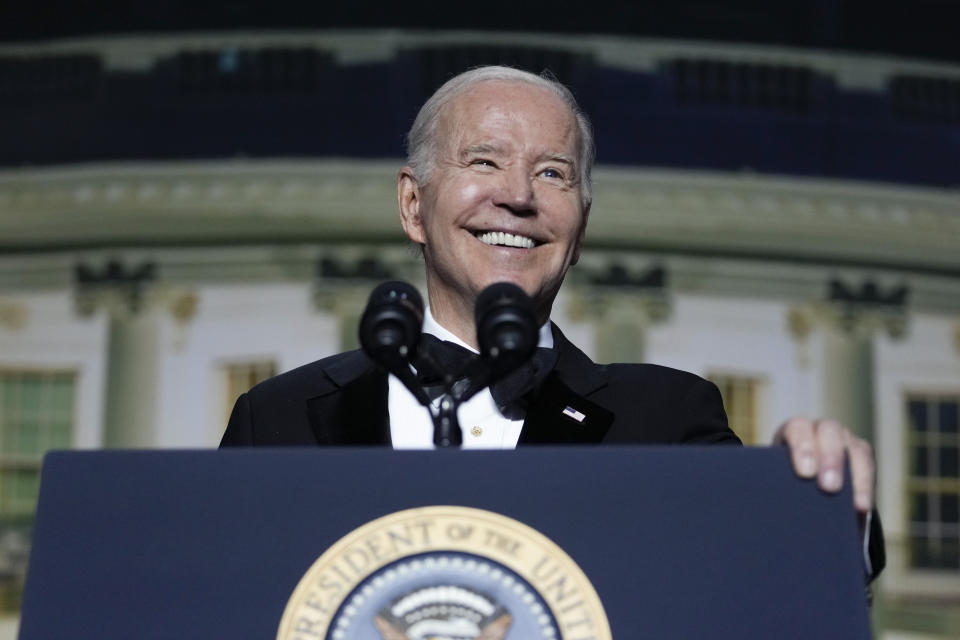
{"points": [[809, 219], [249, 202], [141, 52], [196, 202]]}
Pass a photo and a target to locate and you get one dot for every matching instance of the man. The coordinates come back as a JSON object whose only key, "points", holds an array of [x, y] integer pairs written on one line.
{"points": [[497, 188]]}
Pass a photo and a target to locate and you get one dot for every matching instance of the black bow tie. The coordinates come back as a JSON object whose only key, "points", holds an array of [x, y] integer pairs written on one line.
{"points": [[437, 358]]}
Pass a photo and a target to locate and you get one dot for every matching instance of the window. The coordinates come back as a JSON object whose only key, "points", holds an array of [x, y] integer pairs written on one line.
{"points": [[36, 414], [741, 396], [933, 481], [241, 376]]}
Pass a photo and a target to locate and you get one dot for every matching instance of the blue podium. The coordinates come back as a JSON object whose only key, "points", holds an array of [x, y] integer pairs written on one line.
{"points": [[575, 543]]}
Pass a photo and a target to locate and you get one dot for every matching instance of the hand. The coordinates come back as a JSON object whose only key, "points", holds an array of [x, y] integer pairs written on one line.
{"points": [[817, 448]]}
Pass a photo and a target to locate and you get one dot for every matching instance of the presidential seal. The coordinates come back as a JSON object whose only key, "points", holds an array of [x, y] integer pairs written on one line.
{"points": [[444, 573]]}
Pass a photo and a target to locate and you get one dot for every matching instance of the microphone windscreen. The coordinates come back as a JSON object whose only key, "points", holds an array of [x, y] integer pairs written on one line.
{"points": [[507, 332], [392, 321]]}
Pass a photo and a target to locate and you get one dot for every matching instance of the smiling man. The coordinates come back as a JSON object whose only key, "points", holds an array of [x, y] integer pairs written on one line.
{"points": [[502, 199], [497, 188]]}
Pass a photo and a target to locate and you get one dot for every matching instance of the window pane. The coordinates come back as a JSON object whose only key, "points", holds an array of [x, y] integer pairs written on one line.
{"points": [[740, 396], [917, 410], [7, 439], [58, 435], [30, 396], [949, 552], [919, 509], [28, 438], [950, 508], [949, 462], [240, 377], [920, 468], [948, 417], [6, 489], [18, 490], [934, 506], [920, 553], [935, 553], [61, 391], [26, 484], [7, 394], [36, 413]]}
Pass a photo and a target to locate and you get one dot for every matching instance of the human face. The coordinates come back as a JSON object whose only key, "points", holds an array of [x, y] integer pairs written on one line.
{"points": [[503, 203]]}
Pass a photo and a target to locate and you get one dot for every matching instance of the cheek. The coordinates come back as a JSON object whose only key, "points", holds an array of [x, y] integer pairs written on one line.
{"points": [[451, 201], [457, 205], [468, 192], [573, 224]]}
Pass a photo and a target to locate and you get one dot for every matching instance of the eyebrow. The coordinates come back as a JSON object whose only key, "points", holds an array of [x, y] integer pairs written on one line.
{"points": [[497, 149], [560, 157], [480, 148]]}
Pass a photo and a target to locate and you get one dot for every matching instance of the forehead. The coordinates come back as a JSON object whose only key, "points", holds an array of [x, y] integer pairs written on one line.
{"points": [[519, 112]]}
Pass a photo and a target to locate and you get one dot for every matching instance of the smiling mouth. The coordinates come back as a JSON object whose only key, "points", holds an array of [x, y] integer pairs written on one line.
{"points": [[504, 239]]}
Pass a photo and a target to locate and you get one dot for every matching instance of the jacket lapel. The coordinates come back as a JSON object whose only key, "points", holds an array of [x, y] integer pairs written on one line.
{"points": [[561, 412], [351, 408]]}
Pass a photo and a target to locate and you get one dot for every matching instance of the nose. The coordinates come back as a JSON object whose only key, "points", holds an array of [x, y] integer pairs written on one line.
{"points": [[516, 193]]}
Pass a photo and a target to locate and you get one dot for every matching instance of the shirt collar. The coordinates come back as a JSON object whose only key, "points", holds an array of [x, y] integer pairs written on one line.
{"points": [[431, 326]]}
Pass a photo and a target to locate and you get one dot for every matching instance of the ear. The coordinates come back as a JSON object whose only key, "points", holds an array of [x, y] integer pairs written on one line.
{"points": [[580, 236], [409, 200]]}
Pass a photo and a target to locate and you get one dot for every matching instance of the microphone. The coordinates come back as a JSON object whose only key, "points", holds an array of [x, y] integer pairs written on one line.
{"points": [[507, 335], [507, 332], [390, 331]]}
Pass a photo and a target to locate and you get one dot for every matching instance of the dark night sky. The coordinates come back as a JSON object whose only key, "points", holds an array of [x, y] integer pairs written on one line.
{"points": [[920, 28]]}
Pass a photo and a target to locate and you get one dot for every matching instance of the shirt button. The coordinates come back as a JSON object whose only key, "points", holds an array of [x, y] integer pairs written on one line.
{"points": [[476, 431]]}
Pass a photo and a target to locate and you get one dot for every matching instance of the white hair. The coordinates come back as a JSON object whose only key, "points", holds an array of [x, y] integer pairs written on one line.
{"points": [[421, 139]]}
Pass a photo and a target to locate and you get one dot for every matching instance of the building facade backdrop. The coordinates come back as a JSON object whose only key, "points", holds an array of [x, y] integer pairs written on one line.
{"points": [[760, 218]]}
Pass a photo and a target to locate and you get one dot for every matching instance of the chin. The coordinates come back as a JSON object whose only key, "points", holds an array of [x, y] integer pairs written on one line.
{"points": [[527, 288]]}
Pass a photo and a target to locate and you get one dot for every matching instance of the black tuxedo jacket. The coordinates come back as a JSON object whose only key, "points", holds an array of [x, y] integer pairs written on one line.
{"points": [[342, 400]]}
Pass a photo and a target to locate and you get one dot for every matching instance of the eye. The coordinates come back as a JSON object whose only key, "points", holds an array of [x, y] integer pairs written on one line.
{"points": [[483, 162], [552, 173]]}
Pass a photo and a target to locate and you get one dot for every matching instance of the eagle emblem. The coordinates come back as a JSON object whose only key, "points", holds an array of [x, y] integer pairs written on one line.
{"points": [[443, 612]]}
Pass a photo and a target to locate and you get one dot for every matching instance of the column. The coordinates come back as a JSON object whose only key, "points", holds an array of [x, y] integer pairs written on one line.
{"points": [[848, 377], [133, 352], [621, 306], [343, 287], [848, 321]]}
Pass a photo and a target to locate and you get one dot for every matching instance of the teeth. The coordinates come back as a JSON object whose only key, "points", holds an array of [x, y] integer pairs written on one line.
{"points": [[506, 239]]}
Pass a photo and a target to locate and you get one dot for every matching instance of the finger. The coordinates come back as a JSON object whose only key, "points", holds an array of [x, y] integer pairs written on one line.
{"points": [[862, 470], [831, 446], [798, 435]]}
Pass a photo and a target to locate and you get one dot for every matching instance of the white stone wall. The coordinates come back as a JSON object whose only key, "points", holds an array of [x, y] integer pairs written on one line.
{"points": [[744, 337], [48, 334], [233, 324]]}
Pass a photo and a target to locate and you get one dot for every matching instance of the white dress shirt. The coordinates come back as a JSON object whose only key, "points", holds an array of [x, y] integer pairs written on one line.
{"points": [[484, 427]]}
